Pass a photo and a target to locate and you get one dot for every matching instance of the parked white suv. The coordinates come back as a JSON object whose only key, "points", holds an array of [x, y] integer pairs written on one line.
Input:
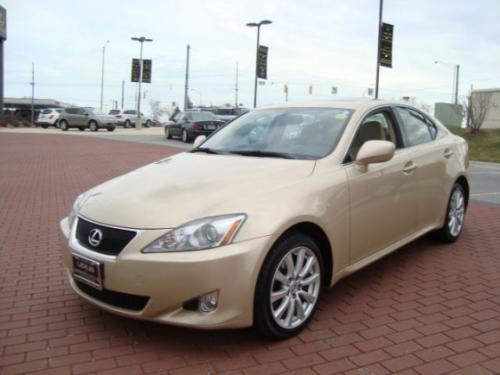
{"points": [[49, 117], [127, 118]]}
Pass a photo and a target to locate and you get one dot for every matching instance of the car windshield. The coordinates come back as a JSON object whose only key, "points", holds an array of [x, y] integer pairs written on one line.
{"points": [[200, 116], [301, 133]]}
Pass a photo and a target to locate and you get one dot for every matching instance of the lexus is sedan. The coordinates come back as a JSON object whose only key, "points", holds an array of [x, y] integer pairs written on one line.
{"points": [[249, 226]]}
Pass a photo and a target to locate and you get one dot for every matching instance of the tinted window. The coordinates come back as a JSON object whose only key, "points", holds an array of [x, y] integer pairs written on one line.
{"points": [[114, 112], [72, 111], [46, 111], [415, 126], [129, 112], [201, 116]]}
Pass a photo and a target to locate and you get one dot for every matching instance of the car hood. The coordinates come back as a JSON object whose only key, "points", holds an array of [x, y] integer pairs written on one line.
{"points": [[188, 186]]}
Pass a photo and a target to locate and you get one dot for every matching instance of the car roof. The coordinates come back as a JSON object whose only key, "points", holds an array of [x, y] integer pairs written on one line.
{"points": [[353, 104]]}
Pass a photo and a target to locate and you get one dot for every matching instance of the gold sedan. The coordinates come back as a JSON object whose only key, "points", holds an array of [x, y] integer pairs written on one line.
{"points": [[250, 225]]}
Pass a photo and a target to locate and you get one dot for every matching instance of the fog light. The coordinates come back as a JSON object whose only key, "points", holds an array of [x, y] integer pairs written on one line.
{"points": [[208, 302]]}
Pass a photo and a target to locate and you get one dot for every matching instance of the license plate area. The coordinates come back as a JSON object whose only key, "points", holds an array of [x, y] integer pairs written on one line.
{"points": [[211, 127], [88, 271]]}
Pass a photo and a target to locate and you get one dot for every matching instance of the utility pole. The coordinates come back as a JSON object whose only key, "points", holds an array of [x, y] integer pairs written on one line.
{"points": [[3, 37], [123, 91], [186, 85], [381, 5], [457, 75], [102, 72], [32, 92], [236, 88]]}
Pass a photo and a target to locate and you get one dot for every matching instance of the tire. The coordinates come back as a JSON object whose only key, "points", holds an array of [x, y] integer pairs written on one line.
{"points": [[185, 136], [278, 319], [81, 128], [455, 214], [126, 124], [45, 126], [63, 125], [168, 135], [147, 124], [111, 129], [93, 126]]}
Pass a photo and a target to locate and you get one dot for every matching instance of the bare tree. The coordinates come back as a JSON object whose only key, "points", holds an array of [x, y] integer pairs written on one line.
{"points": [[476, 107], [157, 111]]}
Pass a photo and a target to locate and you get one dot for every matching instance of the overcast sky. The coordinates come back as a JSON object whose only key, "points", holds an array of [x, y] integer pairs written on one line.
{"points": [[322, 43]]}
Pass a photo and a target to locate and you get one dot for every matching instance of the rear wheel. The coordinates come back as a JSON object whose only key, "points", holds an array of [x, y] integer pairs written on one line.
{"points": [[111, 129], [81, 128], [288, 287], [63, 125], [185, 136], [93, 126], [126, 124], [455, 214], [147, 124], [45, 126]]}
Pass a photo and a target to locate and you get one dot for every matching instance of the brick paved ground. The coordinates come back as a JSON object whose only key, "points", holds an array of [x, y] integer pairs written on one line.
{"points": [[426, 309]]}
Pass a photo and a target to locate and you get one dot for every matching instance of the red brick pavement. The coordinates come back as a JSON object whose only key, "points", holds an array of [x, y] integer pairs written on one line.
{"points": [[426, 309]]}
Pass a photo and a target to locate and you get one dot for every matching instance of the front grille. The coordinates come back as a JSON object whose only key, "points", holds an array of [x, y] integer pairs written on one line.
{"points": [[118, 299], [113, 240]]}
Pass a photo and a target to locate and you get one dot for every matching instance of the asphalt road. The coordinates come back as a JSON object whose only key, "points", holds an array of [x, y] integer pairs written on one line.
{"points": [[485, 182]]}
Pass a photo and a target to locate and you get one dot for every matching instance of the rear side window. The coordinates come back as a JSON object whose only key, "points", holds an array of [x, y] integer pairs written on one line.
{"points": [[114, 112], [129, 112], [416, 128]]}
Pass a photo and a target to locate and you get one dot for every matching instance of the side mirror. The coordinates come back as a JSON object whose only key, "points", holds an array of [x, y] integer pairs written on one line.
{"points": [[199, 140], [375, 152]]}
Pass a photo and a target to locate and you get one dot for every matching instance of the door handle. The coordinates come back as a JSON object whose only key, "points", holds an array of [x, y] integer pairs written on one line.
{"points": [[409, 167], [448, 153]]}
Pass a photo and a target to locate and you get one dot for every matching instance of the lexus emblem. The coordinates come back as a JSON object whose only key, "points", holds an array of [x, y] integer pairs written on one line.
{"points": [[95, 237]]}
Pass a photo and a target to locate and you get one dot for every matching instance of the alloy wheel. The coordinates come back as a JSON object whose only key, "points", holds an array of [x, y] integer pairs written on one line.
{"points": [[456, 212], [295, 287]]}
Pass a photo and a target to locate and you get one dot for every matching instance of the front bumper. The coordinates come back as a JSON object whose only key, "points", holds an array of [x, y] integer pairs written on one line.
{"points": [[172, 279]]}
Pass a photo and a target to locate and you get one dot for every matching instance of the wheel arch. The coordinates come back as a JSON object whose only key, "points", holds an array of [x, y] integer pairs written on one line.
{"points": [[462, 181], [319, 236]]}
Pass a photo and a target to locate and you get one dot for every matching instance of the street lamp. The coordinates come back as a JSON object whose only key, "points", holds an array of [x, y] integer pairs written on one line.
{"points": [[257, 25], [102, 71], [142, 39], [456, 69]]}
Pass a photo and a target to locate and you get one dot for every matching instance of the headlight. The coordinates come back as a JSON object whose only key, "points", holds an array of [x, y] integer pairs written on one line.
{"points": [[75, 210], [200, 234]]}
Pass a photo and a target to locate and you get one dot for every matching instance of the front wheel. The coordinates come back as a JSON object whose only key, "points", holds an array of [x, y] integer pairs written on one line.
{"points": [[168, 135], [455, 214], [289, 287], [93, 126], [126, 124]]}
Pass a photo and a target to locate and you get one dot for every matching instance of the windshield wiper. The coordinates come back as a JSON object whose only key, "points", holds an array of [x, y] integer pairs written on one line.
{"points": [[207, 150], [259, 153]]}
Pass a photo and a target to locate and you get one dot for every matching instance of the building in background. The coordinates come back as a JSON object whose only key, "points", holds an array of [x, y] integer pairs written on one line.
{"points": [[21, 107], [492, 118], [450, 115]]}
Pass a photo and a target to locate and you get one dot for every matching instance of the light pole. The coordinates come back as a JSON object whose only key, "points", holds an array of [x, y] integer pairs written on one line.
{"points": [[456, 73], [257, 25], [142, 39], [102, 72]]}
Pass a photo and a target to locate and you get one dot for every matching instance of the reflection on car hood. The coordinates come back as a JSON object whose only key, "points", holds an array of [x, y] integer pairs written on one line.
{"points": [[189, 186]]}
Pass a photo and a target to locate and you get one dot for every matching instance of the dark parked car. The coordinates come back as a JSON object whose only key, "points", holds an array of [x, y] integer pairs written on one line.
{"points": [[189, 125]]}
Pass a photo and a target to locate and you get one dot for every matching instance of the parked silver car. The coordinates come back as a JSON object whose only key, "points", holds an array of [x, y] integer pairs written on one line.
{"points": [[128, 117], [85, 118]]}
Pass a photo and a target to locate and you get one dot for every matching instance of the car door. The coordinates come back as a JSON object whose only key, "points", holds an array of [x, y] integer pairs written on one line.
{"points": [[179, 119], [382, 195], [431, 158]]}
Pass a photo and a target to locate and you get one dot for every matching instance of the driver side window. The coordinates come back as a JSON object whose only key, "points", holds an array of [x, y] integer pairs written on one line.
{"points": [[375, 127]]}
